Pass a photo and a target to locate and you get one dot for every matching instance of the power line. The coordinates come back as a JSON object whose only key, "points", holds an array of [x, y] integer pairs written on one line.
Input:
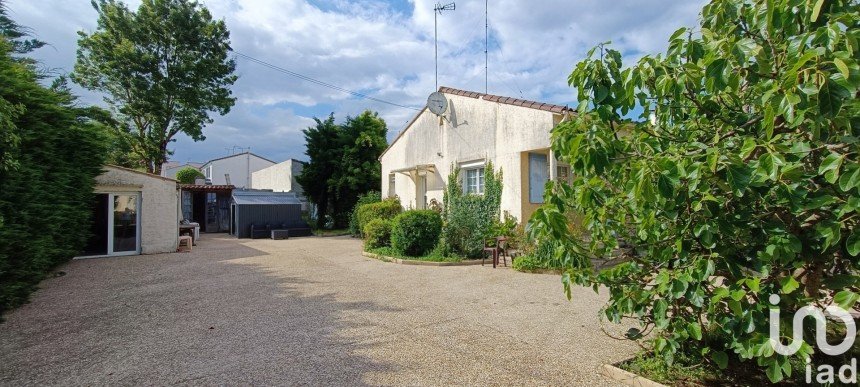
{"points": [[321, 83]]}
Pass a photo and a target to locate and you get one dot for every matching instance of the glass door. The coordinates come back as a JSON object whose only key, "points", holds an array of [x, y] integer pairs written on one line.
{"points": [[124, 224]]}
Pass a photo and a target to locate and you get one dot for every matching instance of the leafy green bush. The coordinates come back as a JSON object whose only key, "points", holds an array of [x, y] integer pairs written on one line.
{"points": [[188, 175], [526, 263], [469, 219], [416, 232], [740, 180], [386, 210], [47, 176], [368, 198], [377, 233]]}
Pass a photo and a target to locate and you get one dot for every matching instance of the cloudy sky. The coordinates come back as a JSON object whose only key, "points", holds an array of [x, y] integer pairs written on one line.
{"points": [[380, 48]]}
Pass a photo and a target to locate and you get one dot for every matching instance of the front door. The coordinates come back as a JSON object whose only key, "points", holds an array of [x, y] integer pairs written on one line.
{"points": [[124, 230], [421, 192]]}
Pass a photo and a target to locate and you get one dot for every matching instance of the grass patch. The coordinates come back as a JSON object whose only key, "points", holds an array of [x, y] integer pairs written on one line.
{"points": [[433, 256], [690, 371]]}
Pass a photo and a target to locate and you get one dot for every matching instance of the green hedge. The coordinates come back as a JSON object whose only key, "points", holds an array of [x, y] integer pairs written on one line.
{"points": [[386, 209], [416, 233], [46, 178], [368, 198], [377, 233]]}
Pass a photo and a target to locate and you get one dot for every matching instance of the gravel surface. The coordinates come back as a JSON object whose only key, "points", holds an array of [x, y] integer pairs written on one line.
{"points": [[304, 311]]}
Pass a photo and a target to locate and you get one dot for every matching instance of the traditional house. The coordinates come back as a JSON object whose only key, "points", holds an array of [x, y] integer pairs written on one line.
{"points": [[466, 130], [170, 168], [133, 213], [235, 169]]}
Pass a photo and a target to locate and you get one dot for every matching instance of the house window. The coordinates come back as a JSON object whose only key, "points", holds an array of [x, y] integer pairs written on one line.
{"points": [[562, 173], [392, 191], [208, 172], [538, 176], [474, 180]]}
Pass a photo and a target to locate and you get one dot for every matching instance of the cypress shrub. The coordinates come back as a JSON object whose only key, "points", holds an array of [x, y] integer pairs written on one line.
{"points": [[47, 178], [415, 233]]}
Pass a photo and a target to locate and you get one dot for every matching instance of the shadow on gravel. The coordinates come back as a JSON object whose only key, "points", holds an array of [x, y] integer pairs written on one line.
{"points": [[183, 318]]}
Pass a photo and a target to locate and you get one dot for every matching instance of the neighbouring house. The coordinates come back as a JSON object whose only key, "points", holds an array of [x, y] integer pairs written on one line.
{"points": [[266, 210], [235, 169], [207, 205], [475, 129], [281, 177], [170, 168], [133, 213]]}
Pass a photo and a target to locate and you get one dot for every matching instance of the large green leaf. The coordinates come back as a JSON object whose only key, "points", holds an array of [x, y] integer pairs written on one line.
{"points": [[738, 176], [831, 96], [846, 299]]}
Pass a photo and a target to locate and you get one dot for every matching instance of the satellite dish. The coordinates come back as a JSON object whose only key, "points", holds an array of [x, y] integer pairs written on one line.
{"points": [[437, 103]]}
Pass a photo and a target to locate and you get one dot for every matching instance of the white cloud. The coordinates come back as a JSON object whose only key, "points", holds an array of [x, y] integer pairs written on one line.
{"points": [[384, 49]]}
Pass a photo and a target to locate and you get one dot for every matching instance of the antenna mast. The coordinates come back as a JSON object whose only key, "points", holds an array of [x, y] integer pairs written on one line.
{"points": [[486, 46], [437, 10]]}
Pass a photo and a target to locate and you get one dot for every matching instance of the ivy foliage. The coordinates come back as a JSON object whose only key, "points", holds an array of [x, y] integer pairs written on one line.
{"points": [[470, 218], [740, 180]]}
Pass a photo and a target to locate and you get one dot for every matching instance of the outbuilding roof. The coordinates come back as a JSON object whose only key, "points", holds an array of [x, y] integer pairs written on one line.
{"points": [[241, 197]]}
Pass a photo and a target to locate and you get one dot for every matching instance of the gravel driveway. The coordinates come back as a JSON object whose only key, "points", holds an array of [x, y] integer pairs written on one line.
{"points": [[302, 311]]}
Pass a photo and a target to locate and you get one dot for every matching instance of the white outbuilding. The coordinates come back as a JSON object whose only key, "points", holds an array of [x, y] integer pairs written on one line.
{"points": [[133, 213]]}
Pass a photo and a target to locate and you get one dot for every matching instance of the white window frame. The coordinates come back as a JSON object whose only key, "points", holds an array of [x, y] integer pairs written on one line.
{"points": [[475, 184], [392, 184]]}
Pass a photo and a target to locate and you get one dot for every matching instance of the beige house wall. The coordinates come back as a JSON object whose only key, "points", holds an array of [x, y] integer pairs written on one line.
{"points": [[159, 209], [280, 177], [472, 130]]}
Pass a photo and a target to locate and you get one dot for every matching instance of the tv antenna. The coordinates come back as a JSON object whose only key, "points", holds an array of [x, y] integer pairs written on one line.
{"points": [[437, 10], [486, 46]]}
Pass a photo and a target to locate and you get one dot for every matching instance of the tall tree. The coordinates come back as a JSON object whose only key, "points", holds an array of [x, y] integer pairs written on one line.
{"points": [[323, 149], [344, 164], [18, 36], [362, 140], [163, 69], [741, 182]]}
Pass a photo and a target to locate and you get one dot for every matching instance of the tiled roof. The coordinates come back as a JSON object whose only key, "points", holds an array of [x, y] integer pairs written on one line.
{"points": [[206, 187], [507, 100]]}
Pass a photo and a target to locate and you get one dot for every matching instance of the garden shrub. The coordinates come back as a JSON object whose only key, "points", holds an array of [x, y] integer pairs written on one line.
{"points": [[188, 175], [469, 219], [739, 180], [526, 263], [386, 209], [368, 198], [416, 232], [377, 233]]}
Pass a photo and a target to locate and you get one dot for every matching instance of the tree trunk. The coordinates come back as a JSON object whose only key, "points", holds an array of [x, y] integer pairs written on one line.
{"points": [[322, 208]]}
